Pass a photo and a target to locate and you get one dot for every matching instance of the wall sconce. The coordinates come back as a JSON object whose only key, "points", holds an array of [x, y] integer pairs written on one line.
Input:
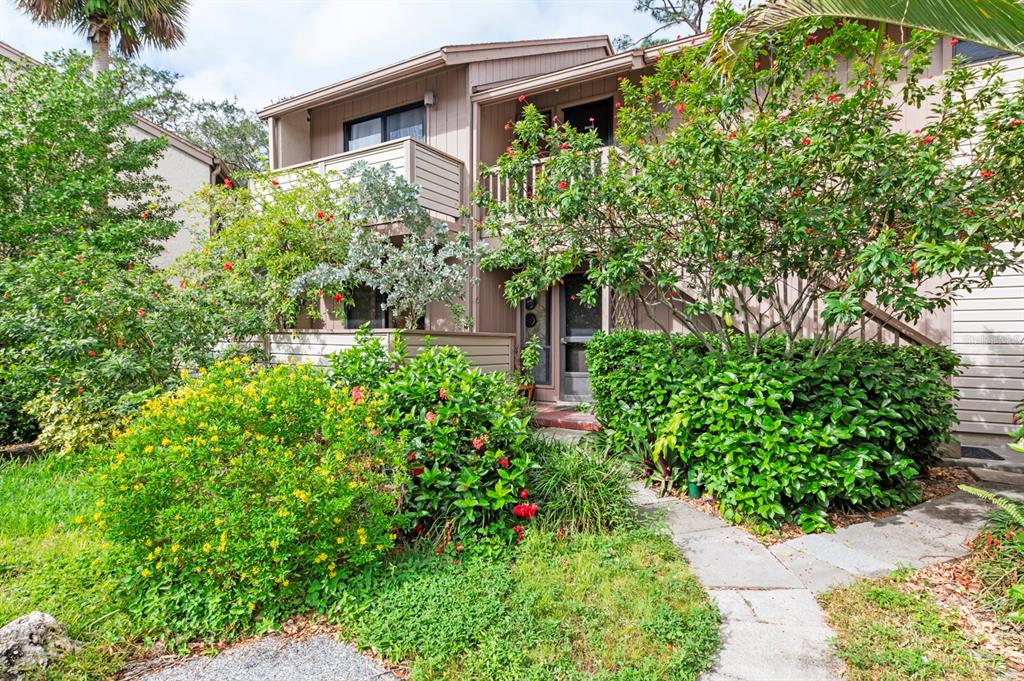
{"points": [[428, 98]]}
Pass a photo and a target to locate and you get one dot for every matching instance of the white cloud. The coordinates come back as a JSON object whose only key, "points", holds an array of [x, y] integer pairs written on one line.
{"points": [[263, 50]]}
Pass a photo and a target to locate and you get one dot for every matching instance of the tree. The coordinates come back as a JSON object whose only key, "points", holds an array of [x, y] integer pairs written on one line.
{"points": [[231, 133], [690, 15], [282, 247], [84, 317], [993, 23], [785, 195], [134, 23]]}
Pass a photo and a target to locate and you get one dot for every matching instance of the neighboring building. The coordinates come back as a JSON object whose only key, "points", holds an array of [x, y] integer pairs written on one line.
{"points": [[438, 116], [183, 166]]}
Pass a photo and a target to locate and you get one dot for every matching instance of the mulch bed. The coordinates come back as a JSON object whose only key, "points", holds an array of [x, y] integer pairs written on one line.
{"points": [[938, 481], [954, 588], [22, 451]]}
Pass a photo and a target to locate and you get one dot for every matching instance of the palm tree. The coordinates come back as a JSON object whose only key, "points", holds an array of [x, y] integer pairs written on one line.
{"points": [[993, 23], [160, 23]]}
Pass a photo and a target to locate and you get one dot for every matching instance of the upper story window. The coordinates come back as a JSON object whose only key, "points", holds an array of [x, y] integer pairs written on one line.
{"points": [[410, 121], [598, 115], [973, 52]]}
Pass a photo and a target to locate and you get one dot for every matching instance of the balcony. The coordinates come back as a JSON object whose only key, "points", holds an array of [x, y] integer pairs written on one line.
{"points": [[502, 189], [438, 175]]}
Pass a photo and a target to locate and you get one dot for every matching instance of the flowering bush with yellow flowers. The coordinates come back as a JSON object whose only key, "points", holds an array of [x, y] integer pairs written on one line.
{"points": [[243, 494], [466, 435]]}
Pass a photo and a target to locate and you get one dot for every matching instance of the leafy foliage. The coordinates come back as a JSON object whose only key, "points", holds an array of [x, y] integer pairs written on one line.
{"points": [[784, 435], [997, 556], [720, 194], [242, 493], [466, 431], [83, 315]]}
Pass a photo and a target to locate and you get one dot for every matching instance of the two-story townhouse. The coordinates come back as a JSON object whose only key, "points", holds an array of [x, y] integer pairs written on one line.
{"points": [[442, 114]]}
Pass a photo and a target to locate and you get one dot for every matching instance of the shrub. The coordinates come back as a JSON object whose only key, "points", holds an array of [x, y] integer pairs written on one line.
{"points": [[466, 433], [783, 435], [997, 556], [579, 489], [241, 493]]}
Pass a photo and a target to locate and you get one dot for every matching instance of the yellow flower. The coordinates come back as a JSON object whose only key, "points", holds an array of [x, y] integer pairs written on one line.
{"points": [[321, 558], [145, 572], [285, 582], [273, 544], [341, 540], [79, 520], [174, 548], [166, 441], [207, 547], [218, 522], [148, 449]]}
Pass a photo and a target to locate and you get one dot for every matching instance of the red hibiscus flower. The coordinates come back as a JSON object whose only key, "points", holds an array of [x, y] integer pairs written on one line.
{"points": [[503, 461], [563, 146], [142, 312], [92, 353], [227, 183], [66, 299], [275, 183], [52, 379], [431, 416], [338, 297], [144, 215], [416, 472], [987, 174], [954, 41], [443, 393], [681, 107], [563, 185], [479, 441], [525, 494], [928, 139], [522, 98], [319, 215], [508, 125], [806, 141], [618, 105], [913, 269], [525, 511], [229, 266], [672, 83], [411, 457], [832, 99]]}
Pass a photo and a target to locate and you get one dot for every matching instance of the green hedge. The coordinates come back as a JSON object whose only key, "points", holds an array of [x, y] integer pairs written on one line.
{"points": [[778, 436]]}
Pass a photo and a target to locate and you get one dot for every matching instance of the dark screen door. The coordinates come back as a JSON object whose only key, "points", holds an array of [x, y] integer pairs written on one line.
{"points": [[579, 324]]}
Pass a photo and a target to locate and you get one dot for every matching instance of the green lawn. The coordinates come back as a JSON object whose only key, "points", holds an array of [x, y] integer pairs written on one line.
{"points": [[621, 606], [885, 632], [51, 563]]}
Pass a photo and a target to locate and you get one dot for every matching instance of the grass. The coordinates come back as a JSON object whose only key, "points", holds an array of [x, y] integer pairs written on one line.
{"points": [[885, 632], [619, 607], [48, 562]]}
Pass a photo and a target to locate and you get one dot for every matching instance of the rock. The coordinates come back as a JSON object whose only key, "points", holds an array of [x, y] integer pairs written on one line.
{"points": [[29, 641]]}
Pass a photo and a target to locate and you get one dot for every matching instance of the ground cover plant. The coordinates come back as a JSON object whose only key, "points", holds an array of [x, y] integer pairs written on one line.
{"points": [[997, 558], [564, 606], [884, 631], [782, 436]]}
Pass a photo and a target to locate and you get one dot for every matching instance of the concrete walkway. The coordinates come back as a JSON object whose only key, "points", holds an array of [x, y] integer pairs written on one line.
{"points": [[772, 626]]}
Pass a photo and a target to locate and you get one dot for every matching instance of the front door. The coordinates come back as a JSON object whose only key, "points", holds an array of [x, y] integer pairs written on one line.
{"points": [[579, 324]]}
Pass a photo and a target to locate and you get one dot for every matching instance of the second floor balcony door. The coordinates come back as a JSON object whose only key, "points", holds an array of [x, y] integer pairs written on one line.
{"points": [[598, 115], [408, 121]]}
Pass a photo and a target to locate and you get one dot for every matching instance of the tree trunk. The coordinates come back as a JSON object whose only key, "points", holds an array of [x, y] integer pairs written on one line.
{"points": [[99, 37]]}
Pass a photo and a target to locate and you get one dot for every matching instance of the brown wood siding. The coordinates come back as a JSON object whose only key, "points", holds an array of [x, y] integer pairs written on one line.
{"points": [[447, 119], [500, 70], [493, 312]]}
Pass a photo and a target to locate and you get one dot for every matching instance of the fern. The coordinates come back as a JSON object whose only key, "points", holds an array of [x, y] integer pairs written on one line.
{"points": [[1012, 509]]}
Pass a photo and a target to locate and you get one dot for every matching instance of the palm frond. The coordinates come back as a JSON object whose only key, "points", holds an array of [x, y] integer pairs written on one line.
{"points": [[994, 23]]}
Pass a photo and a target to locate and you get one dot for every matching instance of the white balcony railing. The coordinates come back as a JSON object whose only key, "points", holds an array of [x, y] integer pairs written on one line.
{"points": [[438, 175], [502, 189]]}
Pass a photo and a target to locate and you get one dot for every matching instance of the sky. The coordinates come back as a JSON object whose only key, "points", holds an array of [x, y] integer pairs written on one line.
{"points": [[263, 50]]}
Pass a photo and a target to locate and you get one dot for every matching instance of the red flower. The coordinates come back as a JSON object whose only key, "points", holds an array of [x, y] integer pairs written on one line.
{"points": [[928, 139], [229, 266], [443, 393], [525, 511], [479, 441], [806, 141], [330, 216], [319, 215], [52, 378], [227, 183], [275, 183], [416, 472], [431, 416], [503, 461], [757, 64], [953, 41], [522, 98], [142, 312], [411, 457], [809, 230], [913, 269], [987, 174], [92, 353], [968, 212], [66, 299], [144, 215], [338, 297], [672, 83], [563, 146], [79, 258], [524, 494], [832, 99], [681, 107], [563, 185], [357, 395], [618, 105], [508, 125], [520, 532]]}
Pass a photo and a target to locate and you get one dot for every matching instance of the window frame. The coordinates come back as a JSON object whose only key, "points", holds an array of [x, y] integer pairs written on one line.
{"points": [[383, 116], [572, 104]]}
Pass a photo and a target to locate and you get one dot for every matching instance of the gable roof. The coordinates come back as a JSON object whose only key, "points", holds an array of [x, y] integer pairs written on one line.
{"points": [[142, 123], [427, 62], [622, 62]]}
